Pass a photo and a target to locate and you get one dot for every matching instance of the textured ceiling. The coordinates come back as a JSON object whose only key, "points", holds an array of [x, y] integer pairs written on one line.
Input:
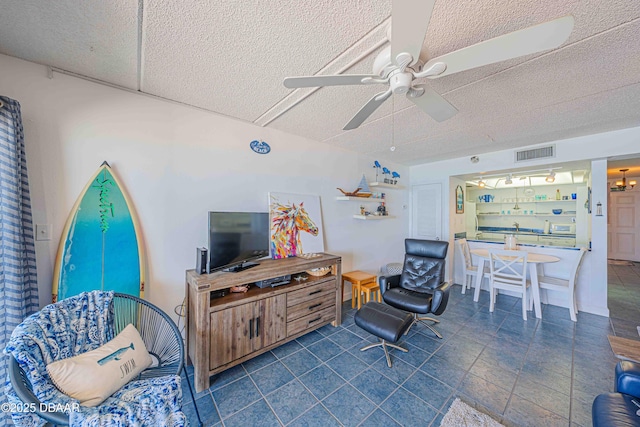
{"points": [[230, 57]]}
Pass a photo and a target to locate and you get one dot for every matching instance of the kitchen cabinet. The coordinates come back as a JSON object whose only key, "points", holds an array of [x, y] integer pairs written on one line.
{"points": [[527, 238], [557, 241]]}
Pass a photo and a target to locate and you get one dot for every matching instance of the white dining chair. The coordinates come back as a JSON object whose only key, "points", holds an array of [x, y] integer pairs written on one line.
{"points": [[508, 271], [470, 270], [566, 286]]}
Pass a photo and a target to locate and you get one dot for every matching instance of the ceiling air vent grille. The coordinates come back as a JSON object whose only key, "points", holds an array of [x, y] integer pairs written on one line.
{"points": [[536, 153]]}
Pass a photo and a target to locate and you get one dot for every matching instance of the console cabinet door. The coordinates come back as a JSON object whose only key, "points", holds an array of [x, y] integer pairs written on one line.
{"points": [[230, 330], [271, 319], [239, 331]]}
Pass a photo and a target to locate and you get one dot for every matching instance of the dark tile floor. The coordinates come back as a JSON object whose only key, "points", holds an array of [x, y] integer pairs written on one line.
{"points": [[524, 373]]}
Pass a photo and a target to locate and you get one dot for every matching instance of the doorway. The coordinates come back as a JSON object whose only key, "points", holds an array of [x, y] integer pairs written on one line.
{"points": [[623, 230], [426, 211], [623, 216]]}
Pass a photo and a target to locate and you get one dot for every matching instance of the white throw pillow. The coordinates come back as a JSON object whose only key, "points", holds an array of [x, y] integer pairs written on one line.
{"points": [[93, 376]]}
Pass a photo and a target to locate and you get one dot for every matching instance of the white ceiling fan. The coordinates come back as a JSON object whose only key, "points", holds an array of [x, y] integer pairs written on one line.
{"points": [[398, 65]]}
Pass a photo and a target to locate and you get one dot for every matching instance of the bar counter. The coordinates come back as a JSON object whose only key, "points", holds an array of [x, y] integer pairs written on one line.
{"points": [[585, 289]]}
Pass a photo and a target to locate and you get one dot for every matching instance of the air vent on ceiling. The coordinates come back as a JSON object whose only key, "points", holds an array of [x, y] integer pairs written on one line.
{"points": [[536, 153]]}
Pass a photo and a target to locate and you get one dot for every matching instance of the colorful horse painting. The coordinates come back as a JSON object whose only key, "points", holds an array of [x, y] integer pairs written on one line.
{"points": [[287, 221]]}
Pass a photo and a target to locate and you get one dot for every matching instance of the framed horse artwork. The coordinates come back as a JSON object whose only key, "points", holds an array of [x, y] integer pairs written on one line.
{"points": [[295, 225]]}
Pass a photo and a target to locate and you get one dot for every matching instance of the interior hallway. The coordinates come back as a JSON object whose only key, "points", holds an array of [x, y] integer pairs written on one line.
{"points": [[624, 297]]}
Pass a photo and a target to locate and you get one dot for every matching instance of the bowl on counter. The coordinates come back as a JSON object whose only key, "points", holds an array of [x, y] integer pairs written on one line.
{"points": [[556, 211]]}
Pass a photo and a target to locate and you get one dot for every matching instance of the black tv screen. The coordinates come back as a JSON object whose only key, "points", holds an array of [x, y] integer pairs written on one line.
{"points": [[236, 238]]}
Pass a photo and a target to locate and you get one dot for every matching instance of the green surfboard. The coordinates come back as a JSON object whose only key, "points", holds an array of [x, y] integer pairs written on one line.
{"points": [[101, 246]]}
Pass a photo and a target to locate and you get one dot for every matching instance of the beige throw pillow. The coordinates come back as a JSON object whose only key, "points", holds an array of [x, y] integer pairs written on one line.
{"points": [[93, 376]]}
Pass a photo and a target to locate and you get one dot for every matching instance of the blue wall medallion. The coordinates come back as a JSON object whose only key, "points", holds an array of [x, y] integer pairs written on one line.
{"points": [[260, 147]]}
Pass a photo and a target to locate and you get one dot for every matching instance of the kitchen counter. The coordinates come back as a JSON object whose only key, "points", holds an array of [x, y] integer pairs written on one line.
{"points": [[530, 237]]}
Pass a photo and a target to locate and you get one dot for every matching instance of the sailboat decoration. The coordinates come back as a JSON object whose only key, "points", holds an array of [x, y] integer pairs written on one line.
{"points": [[363, 189]]}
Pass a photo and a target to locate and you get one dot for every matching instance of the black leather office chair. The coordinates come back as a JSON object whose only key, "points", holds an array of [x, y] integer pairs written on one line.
{"points": [[420, 288]]}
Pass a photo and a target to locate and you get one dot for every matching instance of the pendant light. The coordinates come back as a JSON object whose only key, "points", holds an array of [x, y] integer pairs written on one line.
{"points": [[622, 183], [509, 180]]}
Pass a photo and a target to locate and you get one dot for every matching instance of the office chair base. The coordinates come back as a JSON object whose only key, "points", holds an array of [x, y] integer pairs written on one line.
{"points": [[417, 319], [384, 344]]}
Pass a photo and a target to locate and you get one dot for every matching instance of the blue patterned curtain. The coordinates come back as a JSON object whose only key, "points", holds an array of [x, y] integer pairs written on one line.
{"points": [[18, 285]]}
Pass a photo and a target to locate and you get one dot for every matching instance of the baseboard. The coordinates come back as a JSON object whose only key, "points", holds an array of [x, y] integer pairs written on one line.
{"points": [[599, 311]]}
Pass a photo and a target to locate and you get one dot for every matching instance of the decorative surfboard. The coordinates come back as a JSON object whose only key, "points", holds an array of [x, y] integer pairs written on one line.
{"points": [[101, 246]]}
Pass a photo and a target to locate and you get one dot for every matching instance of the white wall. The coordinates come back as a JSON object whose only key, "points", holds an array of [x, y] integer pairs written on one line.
{"points": [[596, 147], [177, 163]]}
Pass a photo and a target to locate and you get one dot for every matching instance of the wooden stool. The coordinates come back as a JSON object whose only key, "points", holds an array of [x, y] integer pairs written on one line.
{"points": [[369, 289], [357, 278]]}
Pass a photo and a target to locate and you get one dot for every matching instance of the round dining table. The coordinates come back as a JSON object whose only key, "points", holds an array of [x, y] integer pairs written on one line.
{"points": [[533, 260]]}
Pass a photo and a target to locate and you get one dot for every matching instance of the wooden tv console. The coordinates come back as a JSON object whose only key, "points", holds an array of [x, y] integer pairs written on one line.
{"points": [[226, 331]]}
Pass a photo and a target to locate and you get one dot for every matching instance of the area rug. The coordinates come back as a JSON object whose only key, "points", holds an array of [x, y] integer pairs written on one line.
{"points": [[462, 415]]}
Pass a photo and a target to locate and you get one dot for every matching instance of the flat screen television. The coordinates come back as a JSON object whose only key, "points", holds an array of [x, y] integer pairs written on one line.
{"points": [[236, 239]]}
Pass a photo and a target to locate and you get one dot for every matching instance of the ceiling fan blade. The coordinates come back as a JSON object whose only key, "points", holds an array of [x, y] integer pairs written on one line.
{"points": [[534, 39], [367, 110], [318, 81], [433, 104], [409, 22]]}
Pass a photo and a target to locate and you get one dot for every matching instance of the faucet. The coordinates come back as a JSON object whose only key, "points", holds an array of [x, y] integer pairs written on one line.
{"points": [[517, 226]]}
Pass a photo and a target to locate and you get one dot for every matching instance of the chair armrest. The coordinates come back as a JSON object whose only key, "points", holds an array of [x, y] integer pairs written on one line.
{"points": [[628, 378], [388, 282], [440, 298], [22, 388]]}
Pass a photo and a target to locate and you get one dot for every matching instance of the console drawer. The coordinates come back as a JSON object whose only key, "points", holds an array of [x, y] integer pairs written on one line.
{"points": [[311, 306], [302, 296], [311, 321]]}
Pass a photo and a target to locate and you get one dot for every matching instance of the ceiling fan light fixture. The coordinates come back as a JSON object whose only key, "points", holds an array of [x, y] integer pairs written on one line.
{"points": [[398, 65]]}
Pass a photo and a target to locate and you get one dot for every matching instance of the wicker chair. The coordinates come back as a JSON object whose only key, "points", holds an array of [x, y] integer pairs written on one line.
{"points": [[159, 333]]}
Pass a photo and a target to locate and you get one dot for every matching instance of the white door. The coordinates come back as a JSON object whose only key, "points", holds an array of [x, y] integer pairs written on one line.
{"points": [[624, 225], [426, 211]]}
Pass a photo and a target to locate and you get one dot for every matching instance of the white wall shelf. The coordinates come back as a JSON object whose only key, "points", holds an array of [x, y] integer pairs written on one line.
{"points": [[529, 215], [532, 209], [385, 185], [372, 217], [531, 202], [361, 199]]}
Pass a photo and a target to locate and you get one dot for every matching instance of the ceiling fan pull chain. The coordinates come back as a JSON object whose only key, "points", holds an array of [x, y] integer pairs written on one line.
{"points": [[393, 128]]}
